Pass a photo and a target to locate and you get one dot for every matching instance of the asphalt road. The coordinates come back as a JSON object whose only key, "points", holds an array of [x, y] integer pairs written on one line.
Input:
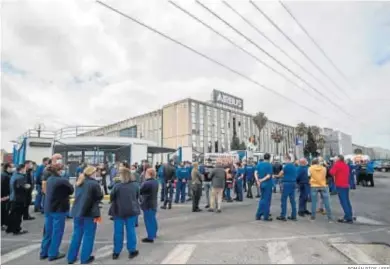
{"points": [[234, 237]]}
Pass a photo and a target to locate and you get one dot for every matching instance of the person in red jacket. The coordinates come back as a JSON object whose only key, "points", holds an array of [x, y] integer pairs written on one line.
{"points": [[340, 172]]}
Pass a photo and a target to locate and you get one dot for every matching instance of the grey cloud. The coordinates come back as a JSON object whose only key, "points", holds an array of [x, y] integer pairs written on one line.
{"points": [[126, 70]]}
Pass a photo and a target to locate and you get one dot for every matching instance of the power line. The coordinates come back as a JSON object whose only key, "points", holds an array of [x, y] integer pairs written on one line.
{"points": [[272, 57], [298, 48], [278, 47], [312, 39], [242, 49], [208, 58]]}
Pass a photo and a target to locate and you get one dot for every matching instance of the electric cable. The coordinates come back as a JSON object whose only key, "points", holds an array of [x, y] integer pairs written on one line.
{"points": [[298, 48]]}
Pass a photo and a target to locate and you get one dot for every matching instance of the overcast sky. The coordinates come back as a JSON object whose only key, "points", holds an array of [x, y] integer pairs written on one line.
{"points": [[76, 62]]}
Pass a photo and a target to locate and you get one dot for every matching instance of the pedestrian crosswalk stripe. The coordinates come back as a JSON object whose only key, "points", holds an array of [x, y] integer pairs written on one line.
{"points": [[10, 256], [364, 220], [352, 251], [104, 252], [180, 254], [279, 253]]}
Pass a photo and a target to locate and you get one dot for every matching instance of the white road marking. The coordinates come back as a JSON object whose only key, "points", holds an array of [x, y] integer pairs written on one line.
{"points": [[353, 252], [10, 256], [279, 253], [364, 220], [180, 254], [221, 241], [104, 251]]}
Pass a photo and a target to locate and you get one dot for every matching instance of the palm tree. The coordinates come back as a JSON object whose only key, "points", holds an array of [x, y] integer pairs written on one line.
{"points": [[260, 120], [315, 130], [301, 129], [277, 137], [321, 143]]}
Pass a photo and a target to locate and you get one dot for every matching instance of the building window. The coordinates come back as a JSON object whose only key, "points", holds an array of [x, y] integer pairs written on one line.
{"points": [[194, 141], [129, 132]]}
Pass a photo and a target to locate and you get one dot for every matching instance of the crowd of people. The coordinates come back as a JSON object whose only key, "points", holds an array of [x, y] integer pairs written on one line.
{"points": [[133, 189]]}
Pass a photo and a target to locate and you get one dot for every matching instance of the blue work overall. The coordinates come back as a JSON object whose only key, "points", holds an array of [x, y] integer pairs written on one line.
{"points": [[52, 235], [131, 235], [288, 191], [84, 231], [151, 224]]}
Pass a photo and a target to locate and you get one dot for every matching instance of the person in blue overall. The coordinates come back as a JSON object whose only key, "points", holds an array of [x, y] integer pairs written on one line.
{"points": [[125, 209], [289, 181], [304, 187], [182, 177], [149, 193], [243, 165], [38, 205], [86, 214], [240, 173], [160, 175], [370, 173], [189, 168], [58, 191], [263, 176], [250, 178], [352, 175]]}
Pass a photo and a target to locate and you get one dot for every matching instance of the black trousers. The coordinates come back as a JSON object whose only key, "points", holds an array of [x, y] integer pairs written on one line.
{"points": [[249, 193], [196, 194], [168, 194], [15, 218], [26, 212], [104, 183], [4, 213]]}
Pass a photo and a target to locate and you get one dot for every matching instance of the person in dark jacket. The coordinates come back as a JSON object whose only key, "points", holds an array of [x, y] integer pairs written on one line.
{"points": [[207, 181], [5, 193], [29, 180], [104, 174], [18, 192], [86, 215], [125, 209], [169, 175], [149, 191], [55, 162], [304, 187], [182, 175], [218, 177], [196, 187], [38, 206], [58, 191]]}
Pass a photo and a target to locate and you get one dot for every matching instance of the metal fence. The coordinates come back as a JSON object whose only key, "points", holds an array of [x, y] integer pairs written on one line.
{"points": [[71, 131]]}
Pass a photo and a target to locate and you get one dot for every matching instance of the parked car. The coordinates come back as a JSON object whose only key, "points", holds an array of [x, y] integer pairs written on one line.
{"points": [[383, 166]]}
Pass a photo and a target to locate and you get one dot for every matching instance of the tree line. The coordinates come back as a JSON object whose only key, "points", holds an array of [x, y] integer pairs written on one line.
{"points": [[313, 141]]}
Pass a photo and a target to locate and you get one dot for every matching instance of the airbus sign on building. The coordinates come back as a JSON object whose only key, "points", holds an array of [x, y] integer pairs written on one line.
{"points": [[228, 100]]}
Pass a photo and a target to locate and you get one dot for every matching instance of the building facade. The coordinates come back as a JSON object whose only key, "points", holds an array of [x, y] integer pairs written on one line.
{"points": [[204, 126], [147, 126], [337, 142]]}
